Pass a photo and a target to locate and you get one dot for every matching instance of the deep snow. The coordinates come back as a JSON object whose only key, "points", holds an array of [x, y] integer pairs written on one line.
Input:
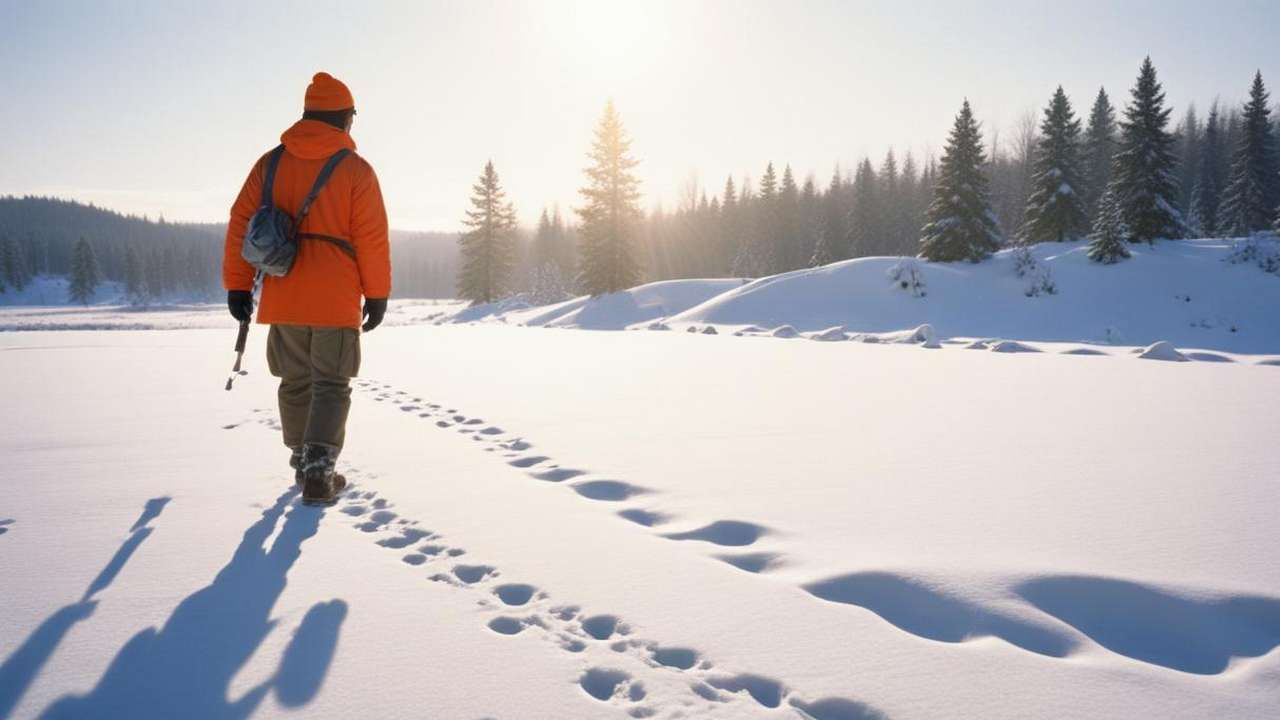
{"points": [[591, 525]]}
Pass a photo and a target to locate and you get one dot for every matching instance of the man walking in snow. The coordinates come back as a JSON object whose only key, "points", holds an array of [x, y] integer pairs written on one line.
{"points": [[314, 310]]}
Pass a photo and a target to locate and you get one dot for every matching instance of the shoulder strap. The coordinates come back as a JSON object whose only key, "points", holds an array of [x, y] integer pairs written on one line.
{"points": [[321, 179], [268, 182]]}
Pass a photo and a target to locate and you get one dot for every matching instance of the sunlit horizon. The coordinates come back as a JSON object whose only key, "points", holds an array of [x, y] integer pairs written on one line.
{"points": [[161, 110]]}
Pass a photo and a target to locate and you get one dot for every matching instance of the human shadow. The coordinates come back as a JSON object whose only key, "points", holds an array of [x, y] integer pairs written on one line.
{"points": [[1190, 634], [930, 613], [185, 668], [24, 664]]}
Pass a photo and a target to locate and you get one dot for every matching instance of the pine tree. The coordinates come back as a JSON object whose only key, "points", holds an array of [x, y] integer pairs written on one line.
{"points": [[1055, 211], [610, 213], [1190, 135], [1250, 199], [730, 228], [960, 224], [1099, 148], [788, 243], [487, 249], [1145, 184], [13, 265], [1207, 195], [84, 273], [835, 227], [865, 236], [134, 282], [1107, 241]]}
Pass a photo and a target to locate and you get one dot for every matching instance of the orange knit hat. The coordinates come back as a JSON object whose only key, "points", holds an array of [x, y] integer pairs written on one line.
{"points": [[327, 92]]}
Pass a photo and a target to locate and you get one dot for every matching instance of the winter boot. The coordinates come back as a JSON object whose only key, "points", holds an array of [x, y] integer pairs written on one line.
{"points": [[320, 484], [295, 462]]}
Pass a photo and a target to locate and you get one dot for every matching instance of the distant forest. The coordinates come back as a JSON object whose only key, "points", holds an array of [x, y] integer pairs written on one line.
{"points": [[178, 261]]}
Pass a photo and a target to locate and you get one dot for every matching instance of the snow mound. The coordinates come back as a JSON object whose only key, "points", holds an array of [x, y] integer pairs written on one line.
{"points": [[831, 334], [1012, 346], [640, 306], [657, 325], [785, 331], [1183, 291], [1162, 350], [710, 330]]}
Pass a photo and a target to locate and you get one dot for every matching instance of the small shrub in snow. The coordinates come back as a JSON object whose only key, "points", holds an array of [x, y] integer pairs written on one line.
{"points": [[709, 330], [1261, 249], [907, 276], [1039, 277]]}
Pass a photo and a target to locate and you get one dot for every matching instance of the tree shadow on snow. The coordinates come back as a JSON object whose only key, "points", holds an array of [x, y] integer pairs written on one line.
{"points": [[1193, 635], [929, 613], [24, 663], [185, 668]]}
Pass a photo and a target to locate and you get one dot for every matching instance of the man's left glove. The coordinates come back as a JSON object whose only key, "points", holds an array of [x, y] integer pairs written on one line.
{"points": [[240, 303], [374, 309]]}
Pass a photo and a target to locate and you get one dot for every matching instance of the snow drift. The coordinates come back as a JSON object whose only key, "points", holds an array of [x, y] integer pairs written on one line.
{"points": [[616, 311], [1186, 292]]}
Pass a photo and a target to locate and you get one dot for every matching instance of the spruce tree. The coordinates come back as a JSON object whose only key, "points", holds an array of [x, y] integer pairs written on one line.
{"points": [[1098, 151], [1250, 199], [13, 264], [135, 288], [960, 224], [1145, 184], [730, 228], [835, 225], [1054, 210], [1207, 195], [487, 249], [84, 273], [788, 242], [865, 234], [608, 263], [1107, 241]]}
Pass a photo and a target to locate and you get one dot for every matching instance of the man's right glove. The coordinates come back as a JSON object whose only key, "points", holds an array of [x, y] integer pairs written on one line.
{"points": [[240, 303], [374, 309]]}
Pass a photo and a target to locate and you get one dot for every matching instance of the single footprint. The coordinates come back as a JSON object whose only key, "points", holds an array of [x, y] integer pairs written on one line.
{"points": [[644, 517], [472, 574], [407, 537], [724, 532], [603, 684], [675, 657], [600, 627], [506, 625], [558, 474], [515, 593], [529, 461]]}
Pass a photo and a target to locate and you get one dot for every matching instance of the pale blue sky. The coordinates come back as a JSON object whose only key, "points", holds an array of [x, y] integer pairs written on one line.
{"points": [[153, 107]]}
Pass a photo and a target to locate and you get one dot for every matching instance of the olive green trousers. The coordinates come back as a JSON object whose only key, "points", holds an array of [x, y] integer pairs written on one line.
{"points": [[315, 366]]}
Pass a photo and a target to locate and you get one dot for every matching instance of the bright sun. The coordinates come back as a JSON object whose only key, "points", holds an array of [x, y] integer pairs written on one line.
{"points": [[610, 36]]}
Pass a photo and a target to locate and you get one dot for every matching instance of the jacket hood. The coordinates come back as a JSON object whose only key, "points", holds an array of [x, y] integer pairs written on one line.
{"points": [[313, 140]]}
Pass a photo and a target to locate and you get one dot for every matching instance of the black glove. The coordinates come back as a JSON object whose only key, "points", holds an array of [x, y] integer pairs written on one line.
{"points": [[240, 303], [374, 309]]}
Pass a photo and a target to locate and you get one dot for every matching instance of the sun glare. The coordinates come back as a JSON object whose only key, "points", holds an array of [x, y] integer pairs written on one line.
{"points": [[609, 36]]}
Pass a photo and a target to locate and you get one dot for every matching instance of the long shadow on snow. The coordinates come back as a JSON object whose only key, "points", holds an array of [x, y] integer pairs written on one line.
{"points": [[185, 668], [24, 664], [1194, 635], [928, 613]]}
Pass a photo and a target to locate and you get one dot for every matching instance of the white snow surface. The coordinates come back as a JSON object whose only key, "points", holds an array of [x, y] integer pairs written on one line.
{"points": [[643, 524], [1183, 292], [639, 306]]}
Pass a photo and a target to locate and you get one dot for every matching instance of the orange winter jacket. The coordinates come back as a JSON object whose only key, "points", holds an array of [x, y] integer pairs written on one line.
{"points": [[325, 284]]}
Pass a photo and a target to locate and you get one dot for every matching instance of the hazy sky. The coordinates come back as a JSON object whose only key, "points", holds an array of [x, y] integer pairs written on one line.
{"points": [[162, 107]]}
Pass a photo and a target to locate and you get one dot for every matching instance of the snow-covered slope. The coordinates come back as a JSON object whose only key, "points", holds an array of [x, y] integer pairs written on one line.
{"points": [[1184, 292], [577, 526], [607, 312]]}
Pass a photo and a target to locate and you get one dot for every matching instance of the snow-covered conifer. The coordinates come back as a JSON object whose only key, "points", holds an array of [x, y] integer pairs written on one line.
{"points": [[84, 273], [1055, 209], [960, 224], [1253, 190], [1144, 184]]}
